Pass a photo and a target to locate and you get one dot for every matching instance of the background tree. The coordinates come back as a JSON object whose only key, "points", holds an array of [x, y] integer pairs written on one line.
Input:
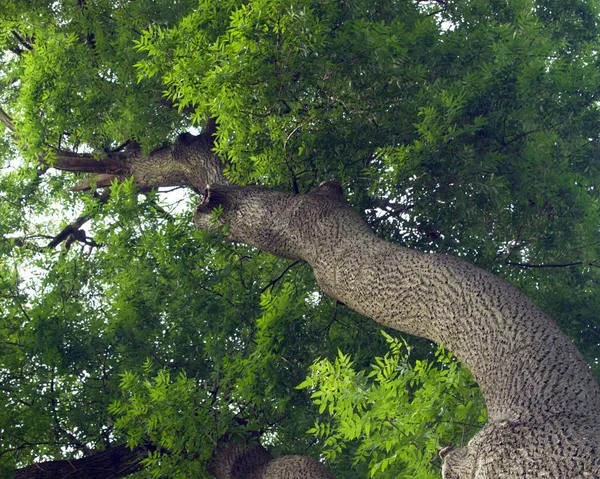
{"points": [[467, 128]]}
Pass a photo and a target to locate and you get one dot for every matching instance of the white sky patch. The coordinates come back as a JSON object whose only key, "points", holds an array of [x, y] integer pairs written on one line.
{"points": [[176, 200], [314, 299]]}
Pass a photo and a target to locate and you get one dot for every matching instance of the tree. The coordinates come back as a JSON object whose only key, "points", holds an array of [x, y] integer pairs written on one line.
{"points": [[468, 129]]}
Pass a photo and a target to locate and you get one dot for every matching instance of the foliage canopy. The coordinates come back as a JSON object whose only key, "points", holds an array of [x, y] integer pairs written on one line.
{"points": [[468, 128]]}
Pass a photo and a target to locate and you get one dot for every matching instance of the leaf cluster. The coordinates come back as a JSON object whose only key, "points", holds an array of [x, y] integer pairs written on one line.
{"points": [[397, 415]]}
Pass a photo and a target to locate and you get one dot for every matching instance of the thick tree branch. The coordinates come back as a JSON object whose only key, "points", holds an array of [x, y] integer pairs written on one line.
{"points": [[190, 161], [112, 463], [538, 389], [116, 163]]}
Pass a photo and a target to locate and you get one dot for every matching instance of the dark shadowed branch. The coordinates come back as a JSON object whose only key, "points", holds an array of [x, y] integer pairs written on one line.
{"points": [[112, 463], [72, 230]]}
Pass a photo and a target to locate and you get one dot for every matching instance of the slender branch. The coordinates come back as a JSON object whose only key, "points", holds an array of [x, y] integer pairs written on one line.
{"points": [[274, 281], [22, 40], [519, 137], [553, 265], [72, 230], [7, 121]]}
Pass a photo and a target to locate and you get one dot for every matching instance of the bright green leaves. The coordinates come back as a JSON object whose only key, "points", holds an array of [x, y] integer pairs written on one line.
{"points": [[279, 76], [45, 67], [74, 81], [253, 341], [397, 416], [175, 415], [504, 142]]}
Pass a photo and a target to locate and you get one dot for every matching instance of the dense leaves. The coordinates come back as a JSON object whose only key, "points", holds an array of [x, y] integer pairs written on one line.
{"points": [[398, 415], [468, 128]]}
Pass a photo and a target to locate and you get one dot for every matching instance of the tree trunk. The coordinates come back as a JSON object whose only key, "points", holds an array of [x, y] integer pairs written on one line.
{"points": [[542, 399], [543, 402]]}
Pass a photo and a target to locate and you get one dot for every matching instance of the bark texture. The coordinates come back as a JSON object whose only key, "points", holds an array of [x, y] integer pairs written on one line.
{"points": [[237, 462], [543, 402], [189, 161]]}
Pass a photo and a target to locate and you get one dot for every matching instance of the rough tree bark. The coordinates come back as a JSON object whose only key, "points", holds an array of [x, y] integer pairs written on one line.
{"points": [[543, 402], [255, 462], [188, 162]]}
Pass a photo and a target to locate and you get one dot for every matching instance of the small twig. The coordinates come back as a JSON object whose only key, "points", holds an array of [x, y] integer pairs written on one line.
{"points": [[520, 137], [273, 282]]}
